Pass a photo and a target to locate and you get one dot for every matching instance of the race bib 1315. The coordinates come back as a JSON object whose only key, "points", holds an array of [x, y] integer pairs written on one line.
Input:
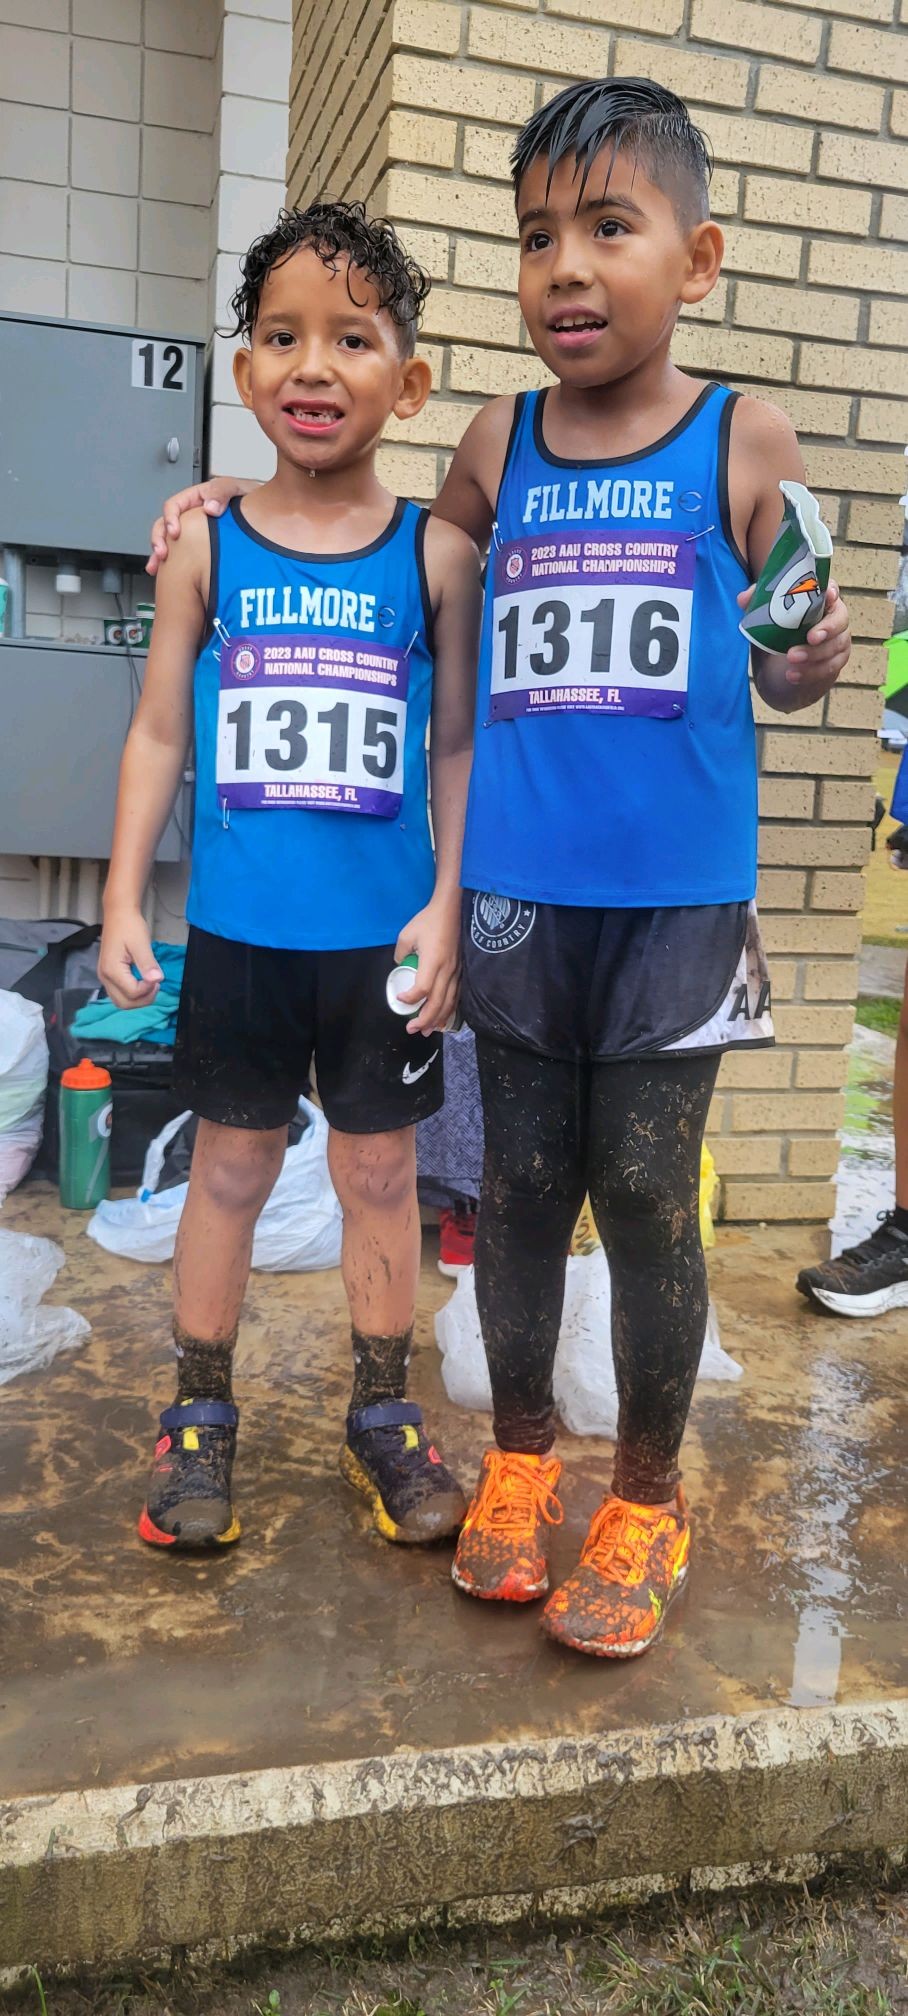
{"points": [[311, 721]]}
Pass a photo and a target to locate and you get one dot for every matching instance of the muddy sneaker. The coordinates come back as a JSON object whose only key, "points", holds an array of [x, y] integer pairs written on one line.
{"points": [[188, 1503], [865, 1280], [633, 1564], [502, 1553], [388, 1460]]}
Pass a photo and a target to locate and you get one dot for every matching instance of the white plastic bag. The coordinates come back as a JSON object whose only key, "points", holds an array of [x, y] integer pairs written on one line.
{"points": [[584, 1382], [23, 1084], [31, 1336], [298, 1230]]}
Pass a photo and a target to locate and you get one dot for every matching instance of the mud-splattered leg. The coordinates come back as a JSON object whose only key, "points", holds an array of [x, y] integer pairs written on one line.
{"points": [[386, 1457], [646, 1128], [188, 1503], [534, 1180], [375, 1178], [234, 1170]]}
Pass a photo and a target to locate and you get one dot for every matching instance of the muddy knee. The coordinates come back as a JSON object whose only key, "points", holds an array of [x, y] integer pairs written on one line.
{"points": [[373, 1172], [237, 1167]]}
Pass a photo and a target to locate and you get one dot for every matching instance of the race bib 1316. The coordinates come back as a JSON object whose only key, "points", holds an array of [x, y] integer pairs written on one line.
{"points": [[598, 623]]}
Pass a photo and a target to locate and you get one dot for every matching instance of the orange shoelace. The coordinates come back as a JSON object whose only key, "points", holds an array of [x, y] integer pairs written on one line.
{"points": [[516, 1492], [620, 1540]]}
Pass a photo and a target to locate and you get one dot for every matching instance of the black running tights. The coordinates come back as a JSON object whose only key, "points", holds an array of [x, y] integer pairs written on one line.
{"points": [[630, 1134]]}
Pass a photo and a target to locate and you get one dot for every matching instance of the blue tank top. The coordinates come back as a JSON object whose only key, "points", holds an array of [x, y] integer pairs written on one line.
{"points": [[312, 696], [615, 752]]}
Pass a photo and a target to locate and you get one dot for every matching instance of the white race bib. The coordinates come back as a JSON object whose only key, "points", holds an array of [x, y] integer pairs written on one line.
{"points": [[312, 721], [594, 623]]}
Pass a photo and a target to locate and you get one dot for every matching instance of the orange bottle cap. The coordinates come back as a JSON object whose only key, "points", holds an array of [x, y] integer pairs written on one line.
{"points": [[85, 1076]]}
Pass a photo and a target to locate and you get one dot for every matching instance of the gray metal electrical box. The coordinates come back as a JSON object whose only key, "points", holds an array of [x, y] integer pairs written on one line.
{"points": [[66, 710], [97, 425]]}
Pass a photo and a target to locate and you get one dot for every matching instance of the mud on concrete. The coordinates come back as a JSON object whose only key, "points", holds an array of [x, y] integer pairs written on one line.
{"points": [[137, 1691]]}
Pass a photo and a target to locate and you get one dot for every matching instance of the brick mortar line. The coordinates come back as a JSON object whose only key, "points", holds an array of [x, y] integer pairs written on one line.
{"points": [[383, 12], [339, 168]]}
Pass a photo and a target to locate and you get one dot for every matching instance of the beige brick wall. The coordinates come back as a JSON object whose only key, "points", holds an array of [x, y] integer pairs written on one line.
{"points": [[414, 105]]}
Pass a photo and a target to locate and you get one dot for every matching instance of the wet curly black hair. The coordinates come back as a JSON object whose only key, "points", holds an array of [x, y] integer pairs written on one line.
{"points": [[337, 231]]}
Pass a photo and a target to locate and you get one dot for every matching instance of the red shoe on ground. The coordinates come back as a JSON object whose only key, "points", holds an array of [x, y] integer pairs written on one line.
{"points": [[457, 1231]]}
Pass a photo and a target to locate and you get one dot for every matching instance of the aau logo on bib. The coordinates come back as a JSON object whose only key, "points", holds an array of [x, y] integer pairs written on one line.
{"points": [[499, 923], [246, 662]]}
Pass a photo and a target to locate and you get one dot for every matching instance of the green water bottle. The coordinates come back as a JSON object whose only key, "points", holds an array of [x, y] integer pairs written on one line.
{"points": [[85, 1116]]}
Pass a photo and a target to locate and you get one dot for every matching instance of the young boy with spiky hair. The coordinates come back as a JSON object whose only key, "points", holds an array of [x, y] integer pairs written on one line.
{"points": [[611, 946], [316, 629]]}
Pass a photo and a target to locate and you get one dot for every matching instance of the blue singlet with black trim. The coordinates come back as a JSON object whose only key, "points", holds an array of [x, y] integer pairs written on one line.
{"points": [[312, 698], [615, 756]]}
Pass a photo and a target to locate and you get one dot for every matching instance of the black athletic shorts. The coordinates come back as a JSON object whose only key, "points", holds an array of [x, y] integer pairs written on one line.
{"points": [[600, 985], [252, 1018]]}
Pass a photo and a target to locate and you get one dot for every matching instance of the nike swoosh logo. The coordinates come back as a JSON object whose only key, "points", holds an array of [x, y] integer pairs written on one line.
{"points": [[410, 1077]]}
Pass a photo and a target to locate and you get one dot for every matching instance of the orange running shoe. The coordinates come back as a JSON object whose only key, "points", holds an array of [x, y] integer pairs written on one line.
{"points": [[634, 1561], [501, 1554]]}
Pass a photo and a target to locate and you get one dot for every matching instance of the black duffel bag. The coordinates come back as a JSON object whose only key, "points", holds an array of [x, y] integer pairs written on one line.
{"points": [[61, 980]]}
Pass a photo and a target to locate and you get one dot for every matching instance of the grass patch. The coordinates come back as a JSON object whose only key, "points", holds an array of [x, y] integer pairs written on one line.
{"points": [[39, 1985], [878, 1011]]}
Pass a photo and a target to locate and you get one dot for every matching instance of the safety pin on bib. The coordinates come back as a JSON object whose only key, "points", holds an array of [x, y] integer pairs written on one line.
{"points": [[411, 643], [689, 537], [219, 627], [225, 815]]}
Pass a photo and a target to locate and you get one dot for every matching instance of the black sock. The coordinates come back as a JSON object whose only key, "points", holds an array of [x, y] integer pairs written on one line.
{"points": [[900, 1218], [379, 1367], [204, 1368]]}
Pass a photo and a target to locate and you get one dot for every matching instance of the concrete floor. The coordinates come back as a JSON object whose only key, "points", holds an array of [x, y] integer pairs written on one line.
{"points": [[315, 1642]]}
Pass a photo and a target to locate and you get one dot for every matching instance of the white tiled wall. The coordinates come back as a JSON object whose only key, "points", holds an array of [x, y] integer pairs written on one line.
{"points": [[142, 146], [107, 165]]}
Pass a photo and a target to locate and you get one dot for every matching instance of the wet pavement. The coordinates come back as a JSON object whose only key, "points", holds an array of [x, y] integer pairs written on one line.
{"points": [[314, 1641], [882, 970]]}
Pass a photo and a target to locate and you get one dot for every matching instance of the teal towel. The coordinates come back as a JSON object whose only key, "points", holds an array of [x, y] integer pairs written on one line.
{"points": [[102, 1022]]}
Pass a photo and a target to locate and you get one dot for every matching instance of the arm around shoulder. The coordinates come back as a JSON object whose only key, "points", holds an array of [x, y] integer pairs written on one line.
{"points": [[469, 493]]}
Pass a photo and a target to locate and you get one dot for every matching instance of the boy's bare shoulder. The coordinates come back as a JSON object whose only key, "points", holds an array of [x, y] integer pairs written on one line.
{"points": [[763, 451], [490, 429], [469, 492], [197, 523], [190, 555], [448, 546], [758, 426]]}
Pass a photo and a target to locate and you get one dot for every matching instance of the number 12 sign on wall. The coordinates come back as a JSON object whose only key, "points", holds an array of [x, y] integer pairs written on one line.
{"points": [[158, 366]]}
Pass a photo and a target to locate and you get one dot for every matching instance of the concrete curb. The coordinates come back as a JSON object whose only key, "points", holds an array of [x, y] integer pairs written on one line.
{"points": [[126, 1871]]}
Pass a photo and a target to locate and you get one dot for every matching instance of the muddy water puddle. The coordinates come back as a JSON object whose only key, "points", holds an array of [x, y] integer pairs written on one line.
{"points": [[316, 1641]]}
